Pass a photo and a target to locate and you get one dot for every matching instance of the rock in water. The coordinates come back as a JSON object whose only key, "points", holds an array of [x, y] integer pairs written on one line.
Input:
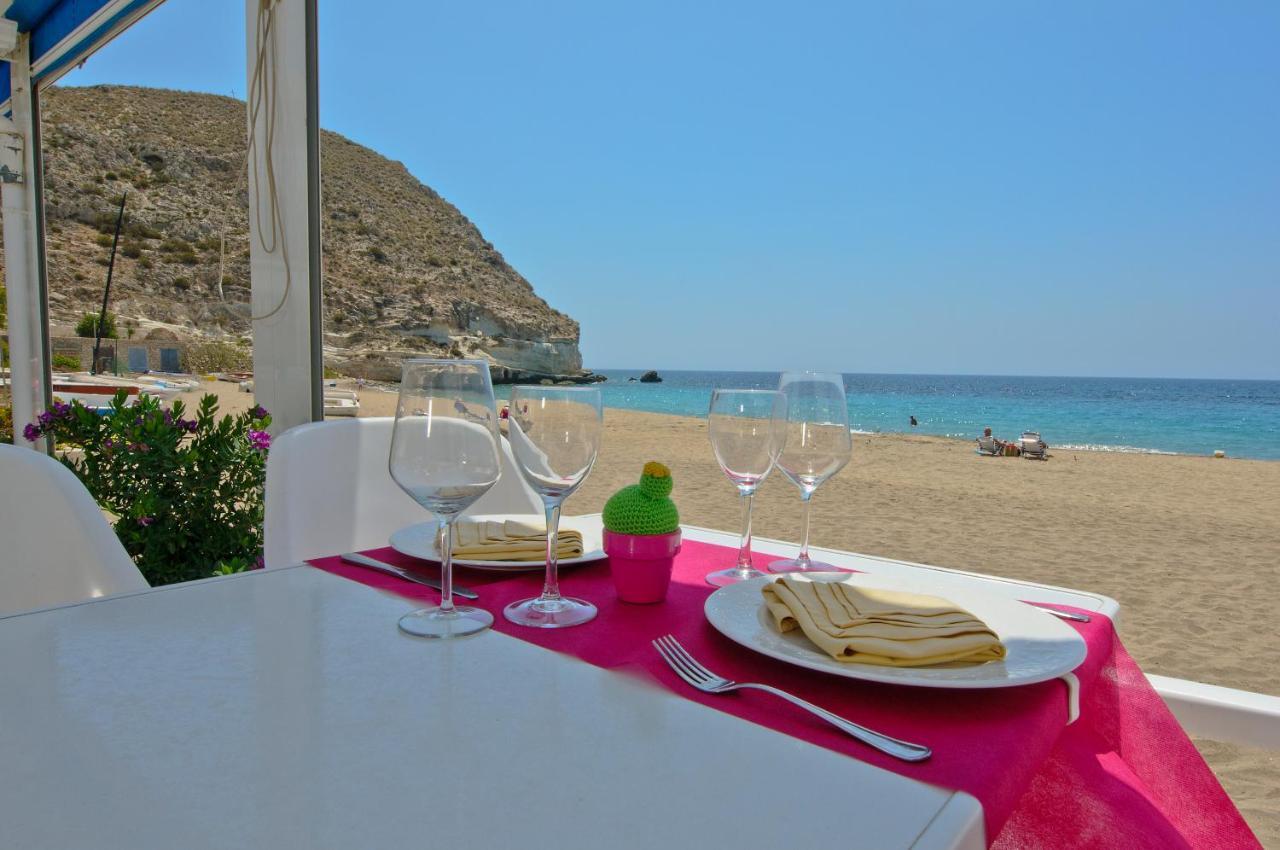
{"points": [[651, 377]]}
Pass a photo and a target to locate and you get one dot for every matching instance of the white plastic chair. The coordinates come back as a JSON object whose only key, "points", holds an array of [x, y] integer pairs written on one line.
{"points": [[56, 547], [987, 446], [329, 491]]}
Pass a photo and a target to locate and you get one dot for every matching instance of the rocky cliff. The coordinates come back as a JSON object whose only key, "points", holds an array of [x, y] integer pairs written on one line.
{"points": [[405, 272]]}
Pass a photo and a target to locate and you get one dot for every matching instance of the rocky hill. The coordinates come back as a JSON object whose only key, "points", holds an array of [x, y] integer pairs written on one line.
{"points": [[405, 272]]}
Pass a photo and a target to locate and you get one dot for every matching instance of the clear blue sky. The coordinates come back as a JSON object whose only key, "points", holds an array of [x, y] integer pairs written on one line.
{"points": [[1017, 188]]}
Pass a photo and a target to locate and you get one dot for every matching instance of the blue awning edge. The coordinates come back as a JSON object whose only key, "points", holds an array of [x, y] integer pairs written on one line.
{"points": [[66, 32]]}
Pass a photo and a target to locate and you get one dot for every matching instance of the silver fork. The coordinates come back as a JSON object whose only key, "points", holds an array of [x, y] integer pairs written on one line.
{"points": [[691, 671]]}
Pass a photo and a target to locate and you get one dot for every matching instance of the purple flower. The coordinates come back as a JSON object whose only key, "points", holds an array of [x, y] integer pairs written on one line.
{"points": [[31, 432], [260, 440], [61, 410], [259, 412], [168, 417], [45, 419], [145, 521], [186, 424]]}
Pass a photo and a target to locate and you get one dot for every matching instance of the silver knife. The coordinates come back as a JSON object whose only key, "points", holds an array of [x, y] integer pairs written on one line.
{"points": [[383, 567], [1065, 615]]}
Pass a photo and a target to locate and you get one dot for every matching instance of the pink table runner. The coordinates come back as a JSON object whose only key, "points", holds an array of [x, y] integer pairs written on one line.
{"points": [[1124, 775]]}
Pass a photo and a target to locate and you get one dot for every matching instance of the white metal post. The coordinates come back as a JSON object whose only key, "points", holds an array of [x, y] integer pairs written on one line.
{"points": [[27, 305], [284, 209]]}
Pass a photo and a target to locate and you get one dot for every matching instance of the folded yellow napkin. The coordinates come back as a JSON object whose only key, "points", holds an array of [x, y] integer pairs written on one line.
{"points": [[886, 627], [510, 540]]}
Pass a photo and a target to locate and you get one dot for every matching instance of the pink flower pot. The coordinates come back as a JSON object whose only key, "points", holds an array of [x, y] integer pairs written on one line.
{"points": [[641, 564]]}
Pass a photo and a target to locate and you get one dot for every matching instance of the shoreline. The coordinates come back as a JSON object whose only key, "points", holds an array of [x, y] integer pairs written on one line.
{"points": [[390, 389], [1101, 448]]}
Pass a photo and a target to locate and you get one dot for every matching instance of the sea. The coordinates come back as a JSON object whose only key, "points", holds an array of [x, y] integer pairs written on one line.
{"points": [[1147, 415]]}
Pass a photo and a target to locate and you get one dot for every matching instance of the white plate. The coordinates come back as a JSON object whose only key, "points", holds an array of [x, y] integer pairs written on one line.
{"points": [[419, 541], [1040, 646]]}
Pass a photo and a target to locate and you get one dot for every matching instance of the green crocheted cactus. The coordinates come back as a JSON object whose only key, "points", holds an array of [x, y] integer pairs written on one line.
{"points": [[644, 508]]}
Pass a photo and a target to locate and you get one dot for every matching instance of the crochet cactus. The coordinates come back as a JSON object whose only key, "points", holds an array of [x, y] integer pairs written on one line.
{"points": [[644, 508]]}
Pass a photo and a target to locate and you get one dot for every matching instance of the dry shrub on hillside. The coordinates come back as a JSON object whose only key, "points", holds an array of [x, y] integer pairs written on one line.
{"points": [[213, 356]]}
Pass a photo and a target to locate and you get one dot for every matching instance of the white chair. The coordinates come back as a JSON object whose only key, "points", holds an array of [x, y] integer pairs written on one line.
{"points": [[329, 491], [987, 446], [56, 547], [1033, 446]]}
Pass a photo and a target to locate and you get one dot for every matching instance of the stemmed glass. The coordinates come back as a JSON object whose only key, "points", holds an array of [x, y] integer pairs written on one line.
{"points": [[555, 437], [445, 455], [747, 432], [818, 446]]}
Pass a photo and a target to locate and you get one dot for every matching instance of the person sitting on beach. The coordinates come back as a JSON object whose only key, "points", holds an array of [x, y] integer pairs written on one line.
{"points": [[989, 444]]}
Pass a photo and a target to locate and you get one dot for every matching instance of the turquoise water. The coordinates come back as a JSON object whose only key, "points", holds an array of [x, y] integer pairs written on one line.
{"points": [[1112, 414]]}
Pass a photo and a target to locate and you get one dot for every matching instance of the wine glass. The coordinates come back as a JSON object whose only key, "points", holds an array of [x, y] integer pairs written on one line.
{"points": [[746, 430], [445, 455], [818, 446], [555, 437]]}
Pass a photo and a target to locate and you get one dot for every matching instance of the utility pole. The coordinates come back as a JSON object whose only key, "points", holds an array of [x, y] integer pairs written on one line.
{"points": [[106, 292]]}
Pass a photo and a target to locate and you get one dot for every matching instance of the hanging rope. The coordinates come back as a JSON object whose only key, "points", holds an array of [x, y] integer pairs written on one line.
{"points": [[262, 102]]}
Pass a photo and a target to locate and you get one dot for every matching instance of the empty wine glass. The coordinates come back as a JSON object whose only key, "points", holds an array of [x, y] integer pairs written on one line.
{"points": [[746, 430], [444, 454], [818, 446], [555, 437]]}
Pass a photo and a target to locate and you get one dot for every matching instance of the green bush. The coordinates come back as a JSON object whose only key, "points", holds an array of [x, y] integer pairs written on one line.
{"points": [[187, 494], [66, 362], [104, 239], [142, 231], [132, 250], [88, 326]]}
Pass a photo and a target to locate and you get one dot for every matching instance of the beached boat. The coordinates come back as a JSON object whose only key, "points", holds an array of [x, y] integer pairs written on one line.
{"points": [[96, 391], [341, 403]]}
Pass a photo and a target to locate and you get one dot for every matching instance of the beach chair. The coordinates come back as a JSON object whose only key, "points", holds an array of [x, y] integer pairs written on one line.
{"points": [[1033, 446], [988, 446], [58, 547]]}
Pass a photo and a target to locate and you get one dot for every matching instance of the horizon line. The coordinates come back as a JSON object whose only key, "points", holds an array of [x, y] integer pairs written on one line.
{"points": [[602, 369]]}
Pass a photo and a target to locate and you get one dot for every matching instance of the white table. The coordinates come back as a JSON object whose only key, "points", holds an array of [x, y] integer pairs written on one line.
{"points": [[283, 709]]}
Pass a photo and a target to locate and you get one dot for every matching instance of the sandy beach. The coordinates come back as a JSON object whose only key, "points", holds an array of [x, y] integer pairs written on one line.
{"points": [[1190, 546]]}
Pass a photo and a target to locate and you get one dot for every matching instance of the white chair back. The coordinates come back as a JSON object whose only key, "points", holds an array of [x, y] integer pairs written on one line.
{"points": [[56, 547], [987, 444], [329, 491]]}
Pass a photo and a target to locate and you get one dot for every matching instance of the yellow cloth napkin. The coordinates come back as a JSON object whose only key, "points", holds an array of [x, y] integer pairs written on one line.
{"points": [[510, 540], [886, 627]]}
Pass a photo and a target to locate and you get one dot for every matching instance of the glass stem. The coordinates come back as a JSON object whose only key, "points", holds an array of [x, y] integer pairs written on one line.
{"points": [[551, 586], [805, 496], [446, 564], [744, 544]]}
